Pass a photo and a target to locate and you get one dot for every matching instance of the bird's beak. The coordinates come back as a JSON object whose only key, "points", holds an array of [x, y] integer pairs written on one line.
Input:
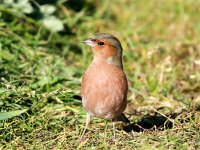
{"points": [[89, 42]]}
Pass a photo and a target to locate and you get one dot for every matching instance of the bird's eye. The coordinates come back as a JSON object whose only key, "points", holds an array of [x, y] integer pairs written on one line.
{"points": [[100, 43]]}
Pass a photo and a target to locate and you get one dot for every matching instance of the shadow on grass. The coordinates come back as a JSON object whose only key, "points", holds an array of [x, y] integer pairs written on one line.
{"points": [[152, 122]]}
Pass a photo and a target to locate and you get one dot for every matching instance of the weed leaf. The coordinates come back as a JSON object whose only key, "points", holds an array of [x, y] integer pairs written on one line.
{"points": [[11, 114]]}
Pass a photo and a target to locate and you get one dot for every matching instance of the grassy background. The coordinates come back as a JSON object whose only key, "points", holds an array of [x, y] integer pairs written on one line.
{"points": [[40, 74]]}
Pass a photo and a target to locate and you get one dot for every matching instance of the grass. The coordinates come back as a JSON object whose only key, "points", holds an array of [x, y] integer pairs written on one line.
{"points": [[40, 75]]}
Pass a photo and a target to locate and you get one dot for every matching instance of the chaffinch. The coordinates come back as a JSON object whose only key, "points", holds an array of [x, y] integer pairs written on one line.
{"points": [[104, 84]]}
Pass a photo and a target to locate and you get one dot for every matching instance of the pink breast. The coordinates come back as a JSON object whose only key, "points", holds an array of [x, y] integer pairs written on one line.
{"points": [[104, 91]]}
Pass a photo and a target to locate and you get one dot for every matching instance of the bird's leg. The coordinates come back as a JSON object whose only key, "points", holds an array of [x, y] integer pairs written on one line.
{"points": [[113, 123], [86, 125]]}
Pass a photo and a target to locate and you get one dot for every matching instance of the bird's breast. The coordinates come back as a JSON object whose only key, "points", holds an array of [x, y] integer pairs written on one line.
{"points": [[104, 90]]}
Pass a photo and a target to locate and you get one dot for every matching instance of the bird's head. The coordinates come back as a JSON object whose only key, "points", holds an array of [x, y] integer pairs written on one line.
{"points": [[106, 47]]}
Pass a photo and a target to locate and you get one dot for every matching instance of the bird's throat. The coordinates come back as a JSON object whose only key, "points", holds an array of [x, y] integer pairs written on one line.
{"points": [[112, 60]]}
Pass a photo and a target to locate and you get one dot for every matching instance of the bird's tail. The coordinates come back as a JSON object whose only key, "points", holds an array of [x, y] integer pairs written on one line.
{"points": [[122, 118]]}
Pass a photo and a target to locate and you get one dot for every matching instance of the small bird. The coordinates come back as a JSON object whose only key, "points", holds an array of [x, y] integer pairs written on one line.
{"points": [[104, 84]]}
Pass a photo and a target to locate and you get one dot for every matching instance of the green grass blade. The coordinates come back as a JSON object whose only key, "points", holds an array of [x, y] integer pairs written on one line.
{"points": [[11, 114]]}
